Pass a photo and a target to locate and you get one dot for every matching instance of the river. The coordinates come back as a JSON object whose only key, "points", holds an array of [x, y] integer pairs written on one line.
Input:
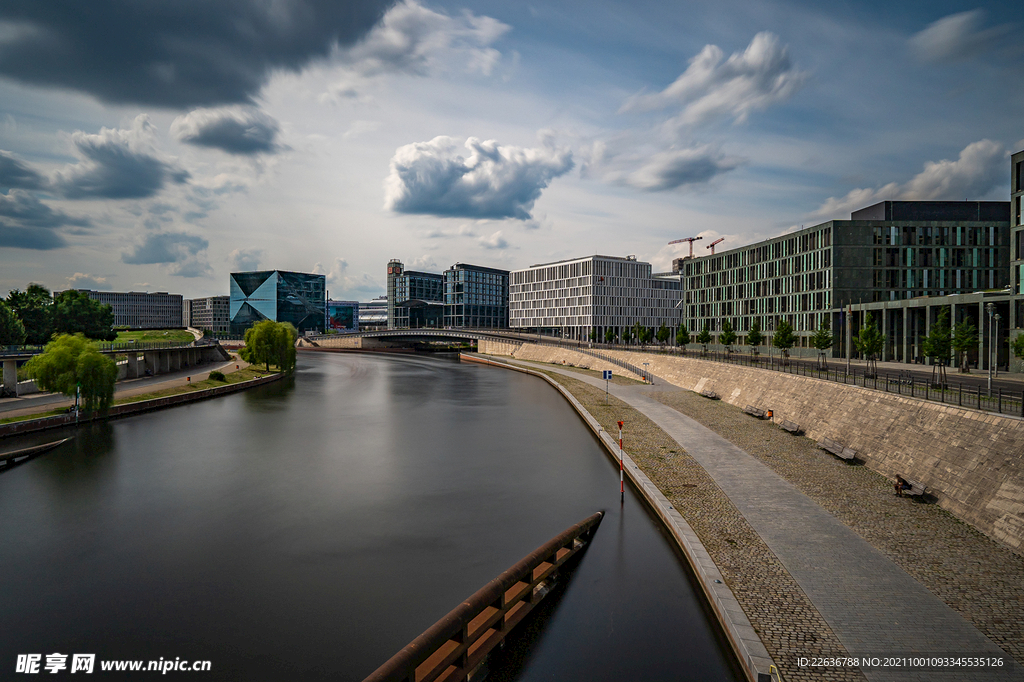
{"points": [[309, 529]]}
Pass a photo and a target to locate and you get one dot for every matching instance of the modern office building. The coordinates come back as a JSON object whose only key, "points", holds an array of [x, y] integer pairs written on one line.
{"points": [[1017, 229], [891, 251], [209, 314], [343, 316], [415, 299], [373, 315], [141, 310], [593, 294], [295, 297], [475, 296]]}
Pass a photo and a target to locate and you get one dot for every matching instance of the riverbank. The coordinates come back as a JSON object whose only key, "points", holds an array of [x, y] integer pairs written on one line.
{"points": [[979, 579], [137, 404]]}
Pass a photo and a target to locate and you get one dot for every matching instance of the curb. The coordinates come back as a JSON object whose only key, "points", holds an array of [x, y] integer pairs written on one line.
{"points": [[747, 646]]}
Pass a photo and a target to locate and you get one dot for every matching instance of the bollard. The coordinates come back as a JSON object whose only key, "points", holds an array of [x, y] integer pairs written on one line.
{"points": [[622, 483]]}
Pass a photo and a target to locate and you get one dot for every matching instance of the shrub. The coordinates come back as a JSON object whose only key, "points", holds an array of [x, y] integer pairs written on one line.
{"points": [[217, 376]]}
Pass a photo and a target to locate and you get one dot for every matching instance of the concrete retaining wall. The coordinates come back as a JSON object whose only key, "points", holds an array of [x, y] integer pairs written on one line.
{"points": [[971, 461], [552, 354]]}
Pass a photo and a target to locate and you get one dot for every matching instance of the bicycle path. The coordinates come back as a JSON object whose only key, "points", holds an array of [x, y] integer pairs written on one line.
{"points": [[875, 608]]}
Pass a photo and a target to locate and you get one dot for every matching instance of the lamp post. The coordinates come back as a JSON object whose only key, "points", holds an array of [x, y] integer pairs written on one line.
{"points": [[990, 308], [995, 347]]}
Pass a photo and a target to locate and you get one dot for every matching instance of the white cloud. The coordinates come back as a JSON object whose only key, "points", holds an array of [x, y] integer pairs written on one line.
{"points": [[81, 280], [495, 241], [424, 262], [711, 88], [346, 286], [182, 252], [974, 174], [957, 36], [412, 39], [243, 260], [495, 181]]}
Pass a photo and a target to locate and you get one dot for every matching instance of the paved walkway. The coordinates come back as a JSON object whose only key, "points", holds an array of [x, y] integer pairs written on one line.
{"points": [[874, 607], [42, 402]]}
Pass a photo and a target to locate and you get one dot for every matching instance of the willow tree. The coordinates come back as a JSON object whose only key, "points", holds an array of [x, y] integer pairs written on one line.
{"points": [[70, 364], [270, 342]]}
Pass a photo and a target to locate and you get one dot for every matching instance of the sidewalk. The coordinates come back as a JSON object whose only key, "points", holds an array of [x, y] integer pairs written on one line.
{"points": [[44, 402], [873, 606]]}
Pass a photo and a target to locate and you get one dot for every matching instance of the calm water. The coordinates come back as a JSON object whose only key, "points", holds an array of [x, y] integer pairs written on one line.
{"points": [[308, 530]]}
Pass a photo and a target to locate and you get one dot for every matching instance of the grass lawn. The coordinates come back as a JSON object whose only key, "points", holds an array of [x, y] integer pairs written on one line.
{"points": [[177, 335]]}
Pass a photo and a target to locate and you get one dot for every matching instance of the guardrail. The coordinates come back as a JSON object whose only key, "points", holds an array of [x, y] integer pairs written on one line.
{"points": [[455, 645], [103, 347]]}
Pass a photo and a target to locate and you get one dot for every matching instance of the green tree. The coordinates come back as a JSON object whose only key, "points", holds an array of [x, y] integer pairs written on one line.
{"points": [[1017, 347], [663, 333], [683, 336], [823, 339], [646, 334], [269, 342], [34, 307], [70, 362], [938, 346], [754, 337], [704, 337], [625, 335], [869, 342], [12, 331], [638, 332], [728, 335], [784, 338], [609, 335], [965, 337], [74, 312]]}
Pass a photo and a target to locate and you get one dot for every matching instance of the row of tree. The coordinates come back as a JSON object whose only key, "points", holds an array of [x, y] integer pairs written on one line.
{"points": [[34, 316]]}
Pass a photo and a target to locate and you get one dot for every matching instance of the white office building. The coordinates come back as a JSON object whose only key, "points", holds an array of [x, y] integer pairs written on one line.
{"points": [[593, 294]]}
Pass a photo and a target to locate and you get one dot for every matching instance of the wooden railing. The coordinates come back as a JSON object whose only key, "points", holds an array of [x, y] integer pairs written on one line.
{"points": [[457, 644]]}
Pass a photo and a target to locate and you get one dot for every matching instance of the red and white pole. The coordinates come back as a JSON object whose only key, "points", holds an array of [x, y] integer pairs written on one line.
{"points": [[622, 482]]}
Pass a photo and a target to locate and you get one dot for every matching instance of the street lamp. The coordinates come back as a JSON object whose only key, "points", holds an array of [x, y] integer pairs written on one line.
{"points": [[995, 347], [990, 308]]}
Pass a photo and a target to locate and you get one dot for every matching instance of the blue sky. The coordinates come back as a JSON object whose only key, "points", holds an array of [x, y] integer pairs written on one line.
{"points": [[160, 146]]}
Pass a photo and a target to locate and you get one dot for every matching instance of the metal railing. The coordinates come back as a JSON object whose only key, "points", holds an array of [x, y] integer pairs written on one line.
{"points": [[462, 639]]}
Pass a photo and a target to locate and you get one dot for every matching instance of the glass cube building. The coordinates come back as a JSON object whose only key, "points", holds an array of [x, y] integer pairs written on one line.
{"points": [[295, 297]]}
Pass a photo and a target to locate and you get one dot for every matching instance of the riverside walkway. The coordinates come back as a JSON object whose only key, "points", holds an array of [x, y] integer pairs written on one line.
{"points": [[873, 606]]}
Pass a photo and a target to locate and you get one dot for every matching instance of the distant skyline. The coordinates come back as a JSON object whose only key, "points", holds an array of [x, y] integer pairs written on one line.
{"points": [[152, 146]]}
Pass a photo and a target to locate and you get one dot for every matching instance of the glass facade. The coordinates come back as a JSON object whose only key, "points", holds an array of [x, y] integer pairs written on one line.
{"points": [[475, 296], [295, 297], [415, 299], [343, 316]]}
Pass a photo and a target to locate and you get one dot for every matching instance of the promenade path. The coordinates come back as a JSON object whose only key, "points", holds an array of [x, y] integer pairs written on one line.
{"points": [[42, 402], [873, 606]]}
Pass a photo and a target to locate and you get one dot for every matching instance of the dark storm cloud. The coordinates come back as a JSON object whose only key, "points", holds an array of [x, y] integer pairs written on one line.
{"points": [[165, 247], [173, 53], [236, 131], [28, 211], [14, 173], [40, 239], [117, 164]]}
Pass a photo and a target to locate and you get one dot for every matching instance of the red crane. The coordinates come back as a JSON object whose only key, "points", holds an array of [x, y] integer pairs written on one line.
{"points": [[691, 240], [712, 245]]}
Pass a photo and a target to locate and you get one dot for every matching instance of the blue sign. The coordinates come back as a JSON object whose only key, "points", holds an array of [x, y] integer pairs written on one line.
{"points": [[607, 374]]}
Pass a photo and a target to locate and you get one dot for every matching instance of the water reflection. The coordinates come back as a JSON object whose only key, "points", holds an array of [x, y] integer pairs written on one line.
{"points": [[309, 529]]}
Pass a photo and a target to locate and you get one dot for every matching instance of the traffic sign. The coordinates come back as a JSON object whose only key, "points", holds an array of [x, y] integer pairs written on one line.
{"points": [[607, 374]]}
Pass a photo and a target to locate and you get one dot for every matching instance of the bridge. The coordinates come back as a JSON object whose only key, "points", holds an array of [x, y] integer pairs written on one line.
{"points": [[133, 360], [427, 334]]}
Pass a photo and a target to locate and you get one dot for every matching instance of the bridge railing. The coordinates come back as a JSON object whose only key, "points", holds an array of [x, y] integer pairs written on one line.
{"points": [[464, 637]]}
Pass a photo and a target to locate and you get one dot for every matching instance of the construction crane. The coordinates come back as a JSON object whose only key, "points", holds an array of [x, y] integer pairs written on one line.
{"points": [[691, 240], [712, 245]]}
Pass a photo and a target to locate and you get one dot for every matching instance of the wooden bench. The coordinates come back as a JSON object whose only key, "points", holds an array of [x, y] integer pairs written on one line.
{"points": [[710, 394], [829, 445], [754, 411], [792, 427], [916, 489]]}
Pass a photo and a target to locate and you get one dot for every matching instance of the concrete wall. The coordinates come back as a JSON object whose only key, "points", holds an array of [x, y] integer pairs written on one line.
{"points": [[972, 461], [552, 354]]}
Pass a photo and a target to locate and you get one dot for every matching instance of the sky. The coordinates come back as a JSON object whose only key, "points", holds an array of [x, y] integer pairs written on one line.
{"points": [[161, 145]]}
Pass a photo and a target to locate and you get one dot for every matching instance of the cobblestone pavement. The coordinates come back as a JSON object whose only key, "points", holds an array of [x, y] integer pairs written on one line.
{"points": [[977, 577], [784, 617]]}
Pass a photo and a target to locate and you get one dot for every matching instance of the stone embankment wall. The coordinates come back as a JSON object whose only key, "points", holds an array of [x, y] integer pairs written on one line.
{"points": [[971, 461], [552, 354]]}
